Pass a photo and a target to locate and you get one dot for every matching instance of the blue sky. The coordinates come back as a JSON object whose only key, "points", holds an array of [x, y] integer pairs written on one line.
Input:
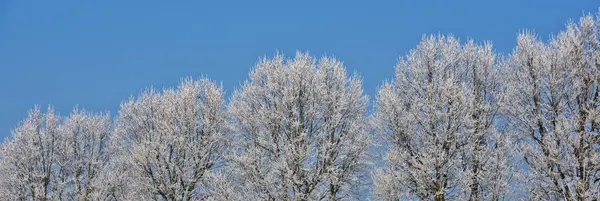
{"points": [[96, 54]]}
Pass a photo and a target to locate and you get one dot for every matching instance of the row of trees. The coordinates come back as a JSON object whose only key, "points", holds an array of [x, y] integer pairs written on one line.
{"points": [[458, 122]]}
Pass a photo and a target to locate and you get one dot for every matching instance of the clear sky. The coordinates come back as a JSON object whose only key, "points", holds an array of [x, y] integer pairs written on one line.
{"points": [[95, 55]]}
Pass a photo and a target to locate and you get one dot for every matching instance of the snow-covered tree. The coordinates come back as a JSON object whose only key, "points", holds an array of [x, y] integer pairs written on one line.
{"points": [[166, 144], [456, 123], [84, 138], [554, 105], [28, 158], [50, 158], [301, 132], [436, 122]]}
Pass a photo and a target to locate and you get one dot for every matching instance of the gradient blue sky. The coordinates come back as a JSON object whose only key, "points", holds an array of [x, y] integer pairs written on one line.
{"points": [[96, 54]]}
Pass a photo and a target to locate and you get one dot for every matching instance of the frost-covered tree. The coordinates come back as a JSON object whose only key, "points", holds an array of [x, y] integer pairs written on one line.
{"points": [[51, 158], [84, 138], [554, 104], [301, 132], [436, 122], [166, 144], [29, 158]]}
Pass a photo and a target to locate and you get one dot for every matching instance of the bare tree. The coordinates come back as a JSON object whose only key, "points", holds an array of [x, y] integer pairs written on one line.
{"points": [[456, 123], [436, 120], [28, 158], [166, 143], [49, 158], [554, 106], [301, 129], [83, 139]]}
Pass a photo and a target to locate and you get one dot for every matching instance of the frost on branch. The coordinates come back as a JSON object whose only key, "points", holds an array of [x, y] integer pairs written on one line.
{"points": [[166, 144], [301, 131], [436, 122], [54, 158], [554, 106]]}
